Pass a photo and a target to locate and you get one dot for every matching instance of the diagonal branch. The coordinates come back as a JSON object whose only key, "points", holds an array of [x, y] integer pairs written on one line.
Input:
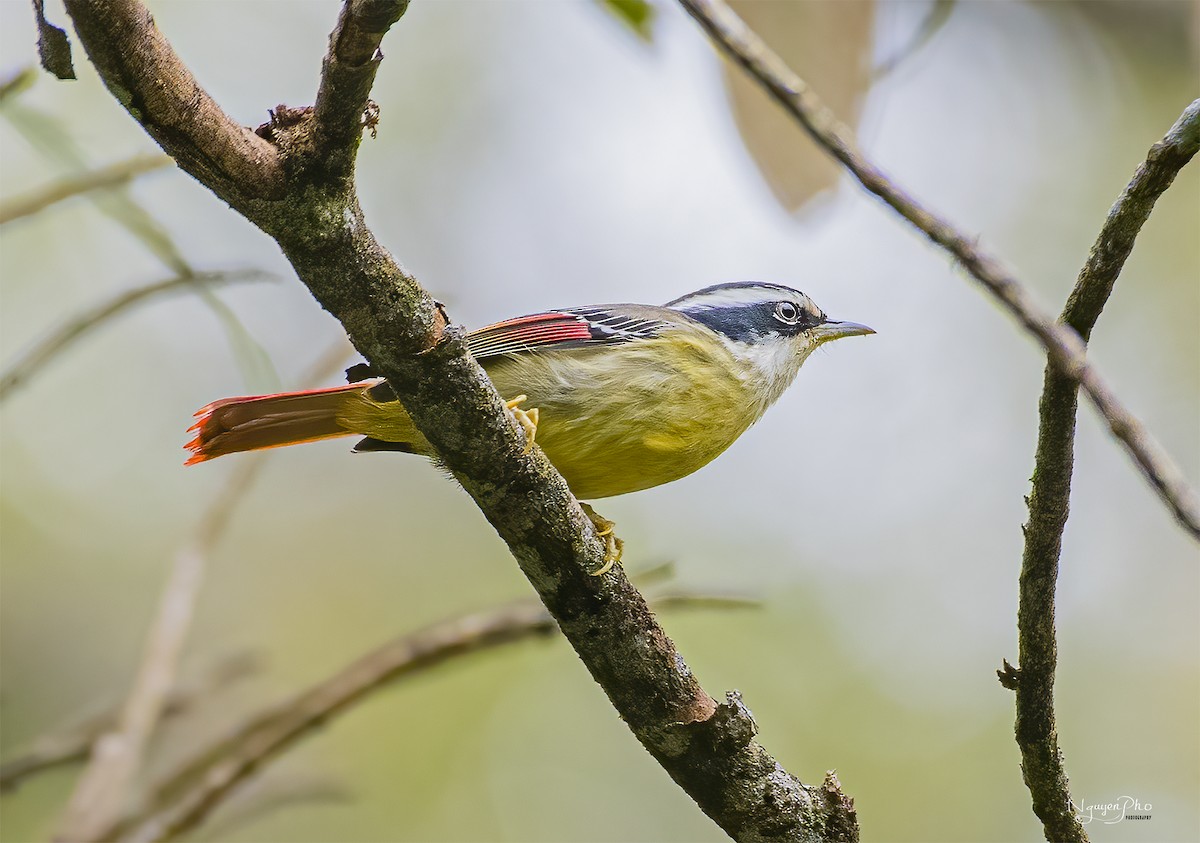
{"points": [[72, 743], [1037, 736], [190, 794], [117, 754], [127, 49], [101, 791], [1126, 218], [113, 175], [17, 83], [314, 215], [1064, 348], [28, 364]]}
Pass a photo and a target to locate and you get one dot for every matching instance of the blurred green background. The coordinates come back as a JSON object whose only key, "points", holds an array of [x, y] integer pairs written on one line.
{"points": [[540, 154]]}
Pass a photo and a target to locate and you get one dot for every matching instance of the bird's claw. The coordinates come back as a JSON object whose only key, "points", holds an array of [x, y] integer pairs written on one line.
{"points": [[528, 419], [614, 548]]}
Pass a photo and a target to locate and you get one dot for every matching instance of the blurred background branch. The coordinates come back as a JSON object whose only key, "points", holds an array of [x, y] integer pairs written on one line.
{"points": [[1049, 500], [72, 743], [1063, 346], [188, 795], [50, 137], [43, 351], [17, 83], [114, 175], [935, 18], [117, 755]]}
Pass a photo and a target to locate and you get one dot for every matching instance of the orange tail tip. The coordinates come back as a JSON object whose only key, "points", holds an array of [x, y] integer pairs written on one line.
{"points": [[206, 429], [256, 422]]}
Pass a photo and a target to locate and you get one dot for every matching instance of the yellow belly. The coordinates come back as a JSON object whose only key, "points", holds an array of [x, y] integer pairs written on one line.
{"points": [[613, 420]]}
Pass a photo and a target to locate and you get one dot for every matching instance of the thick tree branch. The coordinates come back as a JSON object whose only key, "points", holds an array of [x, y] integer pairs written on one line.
{"points": [[192, 792], [128, 50], [1037, 736], [1066, 351], [314, 215], [28, 364]]}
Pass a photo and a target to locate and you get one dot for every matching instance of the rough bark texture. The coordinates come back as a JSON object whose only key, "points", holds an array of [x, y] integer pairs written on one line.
{"points": [[1067, 369], [293, 178], [1037, 736]]}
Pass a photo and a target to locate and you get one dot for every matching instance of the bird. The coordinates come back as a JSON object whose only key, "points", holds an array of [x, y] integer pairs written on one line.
{"points": [[619, 397]]}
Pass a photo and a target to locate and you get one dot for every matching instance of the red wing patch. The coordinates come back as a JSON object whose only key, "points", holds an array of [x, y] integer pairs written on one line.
{"points": [[527, 333], [561, 329]]}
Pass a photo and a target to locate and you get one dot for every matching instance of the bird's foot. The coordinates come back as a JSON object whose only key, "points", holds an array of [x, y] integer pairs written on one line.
{"points": [[614, 548], [528, 419]]}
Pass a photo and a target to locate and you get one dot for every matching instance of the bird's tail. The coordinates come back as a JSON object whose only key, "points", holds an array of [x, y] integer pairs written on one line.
{"points": [[272, 421]]}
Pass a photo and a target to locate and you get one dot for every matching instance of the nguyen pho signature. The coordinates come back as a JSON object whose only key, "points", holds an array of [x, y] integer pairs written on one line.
{"points": [[1111, 813]]}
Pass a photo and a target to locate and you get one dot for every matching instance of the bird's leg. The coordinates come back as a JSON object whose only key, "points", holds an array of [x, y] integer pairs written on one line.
{"points": [[528, 419], [613, 546]]}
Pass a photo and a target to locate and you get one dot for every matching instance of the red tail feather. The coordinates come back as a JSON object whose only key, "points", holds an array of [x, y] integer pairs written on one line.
{"points": [[256, 422]]}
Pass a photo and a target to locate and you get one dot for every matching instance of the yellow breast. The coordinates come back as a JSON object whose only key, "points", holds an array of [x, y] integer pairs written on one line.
{"points": [[619, 419]]}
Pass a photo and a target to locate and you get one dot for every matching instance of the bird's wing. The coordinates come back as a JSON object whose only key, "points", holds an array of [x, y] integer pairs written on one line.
{"points": [[559, 329]]}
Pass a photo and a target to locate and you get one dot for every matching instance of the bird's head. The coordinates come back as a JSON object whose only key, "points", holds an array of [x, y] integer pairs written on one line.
{"points": [[770, 328]]}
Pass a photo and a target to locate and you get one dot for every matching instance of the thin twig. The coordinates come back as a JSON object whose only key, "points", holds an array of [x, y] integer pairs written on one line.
{"points": [[190, 794], [1066, 351], [1037, 736], [72, 743], [50, 346], [114, 175], [101, 791]]}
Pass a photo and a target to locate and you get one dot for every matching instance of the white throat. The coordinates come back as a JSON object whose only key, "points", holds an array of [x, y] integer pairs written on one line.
{"points": [[769, 366]]}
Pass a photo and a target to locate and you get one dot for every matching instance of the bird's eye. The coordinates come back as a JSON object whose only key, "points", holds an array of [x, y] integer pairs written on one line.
{"points": [[787, 312]]}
